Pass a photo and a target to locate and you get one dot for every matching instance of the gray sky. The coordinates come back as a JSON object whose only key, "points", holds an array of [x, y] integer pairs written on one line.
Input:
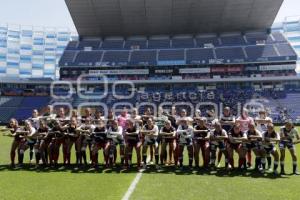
{"points": [[54, 13]]}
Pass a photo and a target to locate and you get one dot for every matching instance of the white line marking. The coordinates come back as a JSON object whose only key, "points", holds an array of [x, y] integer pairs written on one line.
{"points": [[134, 183]]}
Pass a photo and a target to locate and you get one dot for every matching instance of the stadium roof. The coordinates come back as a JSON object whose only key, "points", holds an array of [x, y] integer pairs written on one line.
{"points": [[150, 17]]}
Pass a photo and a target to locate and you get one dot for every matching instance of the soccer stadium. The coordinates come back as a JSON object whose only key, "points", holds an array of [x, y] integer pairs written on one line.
{"points": [[166, 99]]}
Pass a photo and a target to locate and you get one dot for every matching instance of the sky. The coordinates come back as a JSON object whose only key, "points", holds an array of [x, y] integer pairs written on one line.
{"points": [[54, 13]]}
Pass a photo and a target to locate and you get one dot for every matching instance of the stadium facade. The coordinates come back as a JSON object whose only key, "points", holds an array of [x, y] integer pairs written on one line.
{"points": [[31, 52]]}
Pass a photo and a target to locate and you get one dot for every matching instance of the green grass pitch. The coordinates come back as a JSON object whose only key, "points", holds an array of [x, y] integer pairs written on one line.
{"points": [[67, 183]]}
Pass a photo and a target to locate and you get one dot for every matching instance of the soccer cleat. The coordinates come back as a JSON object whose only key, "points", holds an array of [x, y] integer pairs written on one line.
{"points": [[275, 173]]}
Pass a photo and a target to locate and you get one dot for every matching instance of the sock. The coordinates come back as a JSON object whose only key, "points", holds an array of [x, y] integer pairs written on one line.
{"points": [[145, 159], [294, 166], [269, 159], [190, 161], [83, 153], [282, 166], [156, 159], [275, 165], [21, 156], [180, 161], [263, 163]]}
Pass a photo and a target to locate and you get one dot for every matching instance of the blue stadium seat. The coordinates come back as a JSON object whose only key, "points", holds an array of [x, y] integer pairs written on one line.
{"points": [[230, 54], [159, 44], [112, 44], [199, 56], [286, 50], [143, 57], [261, 53], [88, 58], [6, 113], [171, 57], [135, 44], [72, 45], [113, 58], [201, 41], [183, 43], [254, 38], [67, 58], [94, 44], [232, 40]]}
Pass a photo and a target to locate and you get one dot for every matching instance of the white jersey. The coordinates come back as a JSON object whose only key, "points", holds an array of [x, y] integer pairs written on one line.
{"points": [[115, 135], [262, 127], [154, 129], [184, 133]]}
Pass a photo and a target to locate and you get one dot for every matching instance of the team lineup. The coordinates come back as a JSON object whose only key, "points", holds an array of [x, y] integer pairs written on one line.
{"points": [[165, 135]]}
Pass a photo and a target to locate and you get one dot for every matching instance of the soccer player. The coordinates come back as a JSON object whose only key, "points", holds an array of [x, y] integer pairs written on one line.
{"points": [[145, 117], [288, 138], [13, 127], [262, 121], [270, 138], [235, 139], [244, 120], [254, 143], [185, 135], [55, 136], [100, 141], [132, 138], [150, 133], [227, 121], [217, 141], [43, 141], [115, 137], [168, 137], [86, 131], [201, 141], [28, 140], [71, 138]]}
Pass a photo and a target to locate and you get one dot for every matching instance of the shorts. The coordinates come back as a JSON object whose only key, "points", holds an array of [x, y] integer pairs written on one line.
{"points": [[235, 146], [220, 145], [186, 142], [286, 144], [270, 149], [167, 140], [150, 141], [252, 145]]}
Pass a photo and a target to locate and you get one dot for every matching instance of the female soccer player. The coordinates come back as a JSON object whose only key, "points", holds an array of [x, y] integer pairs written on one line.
{"points": [[43, 141], [13, 127], [185, 135], [262, 120], [55, 136], [288, 138], [115, 137], [28, 140], [150, 133], [270, 138], [71, 138], [85, 130], [235, 139], [201, 142], [168, 137], [244, 120], [254, 143], [132, 139], [217, 140], [100, 141], [227, 121]]}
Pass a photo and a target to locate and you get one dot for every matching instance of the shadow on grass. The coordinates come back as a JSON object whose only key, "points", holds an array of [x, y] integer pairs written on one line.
{"points": [[101, 169]]}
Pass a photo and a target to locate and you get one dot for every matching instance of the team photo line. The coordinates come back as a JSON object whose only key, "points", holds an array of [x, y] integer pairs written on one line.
{"points": [[166, 136]]}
